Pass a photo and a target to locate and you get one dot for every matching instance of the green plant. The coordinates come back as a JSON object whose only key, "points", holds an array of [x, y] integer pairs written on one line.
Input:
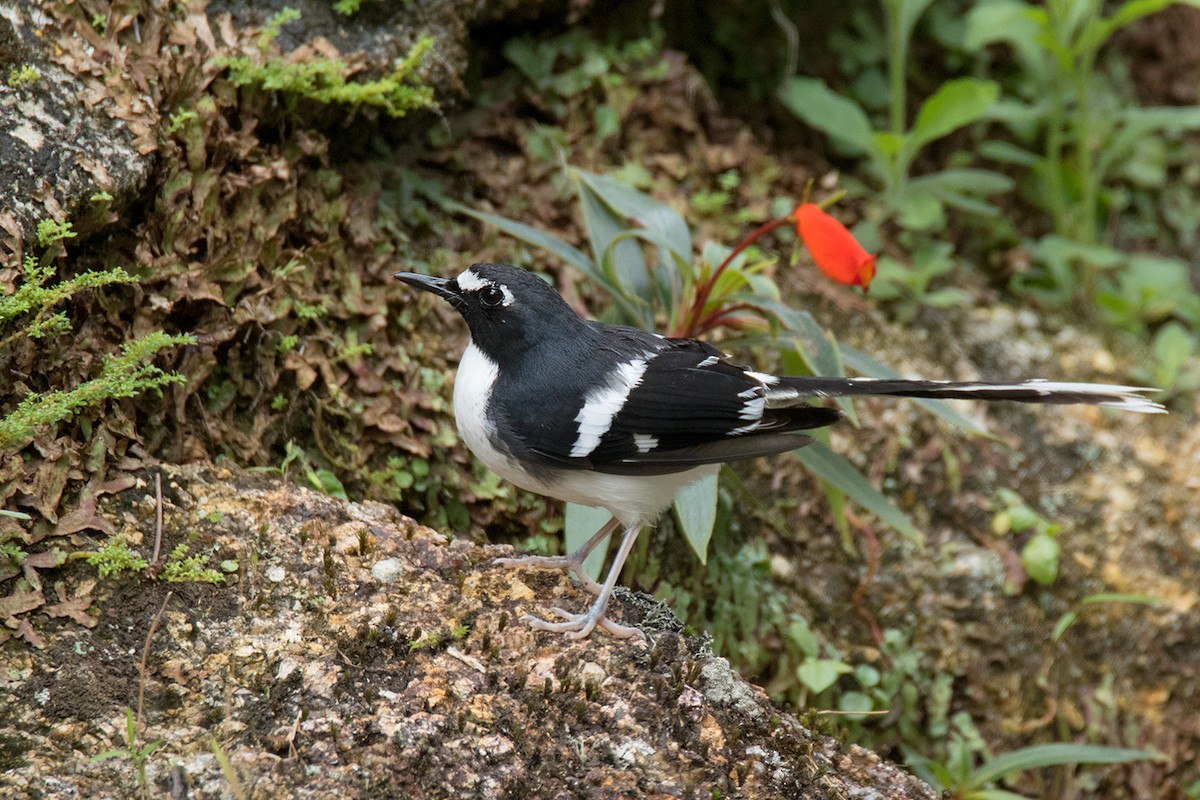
{"points": [[183, 568], [563, 70], [116, 557], [126, 374], [1039, 555], [30, 310], [325, 80], [1071, 617], [963, 780], [139, 754], [917, 203], [23, 75], [320, 478], [1057, 44], [1077, 135], [720, 288]]}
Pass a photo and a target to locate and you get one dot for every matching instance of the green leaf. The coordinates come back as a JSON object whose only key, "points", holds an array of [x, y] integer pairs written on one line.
{"points": [[829, 466], [1052, 755], [696, 509], [994, 794], [662, 220], [1118, 597], [620, 261], [1039, 558], [819, 351], [955, 104], [1127, 12], [580, 523], [818, 674], [533, 236], [834, 115], [1064, 623]]}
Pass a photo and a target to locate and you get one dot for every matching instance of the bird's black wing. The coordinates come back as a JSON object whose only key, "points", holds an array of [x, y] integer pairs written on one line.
{"points": [[688, 406]]}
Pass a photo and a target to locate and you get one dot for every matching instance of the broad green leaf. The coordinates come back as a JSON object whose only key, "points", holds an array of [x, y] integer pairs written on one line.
{"points": [[1039, 558], [696, 508], [955, 104], [1052, 755], [831, 113], [818, 674], [533, 236], [580, 523], [660, 219], [864, 364], [620, 261], [829, 466]]}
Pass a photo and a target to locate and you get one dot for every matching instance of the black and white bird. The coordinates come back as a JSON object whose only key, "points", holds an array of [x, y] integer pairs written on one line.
{"points": [[621, 419]]}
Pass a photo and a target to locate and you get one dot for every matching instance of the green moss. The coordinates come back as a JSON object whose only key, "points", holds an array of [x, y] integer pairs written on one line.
{"points": [[325, 80], [22, 75]]}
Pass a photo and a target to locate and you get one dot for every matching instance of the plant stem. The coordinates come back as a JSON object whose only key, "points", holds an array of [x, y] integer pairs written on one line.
{"points": [[703, 292], [897, 45]]}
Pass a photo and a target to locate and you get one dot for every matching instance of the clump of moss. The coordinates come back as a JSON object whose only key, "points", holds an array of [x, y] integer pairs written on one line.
{"points": [[325, 80]]}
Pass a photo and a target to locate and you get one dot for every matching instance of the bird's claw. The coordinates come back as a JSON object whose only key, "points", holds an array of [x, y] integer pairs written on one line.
{"points": [[578, 626]]}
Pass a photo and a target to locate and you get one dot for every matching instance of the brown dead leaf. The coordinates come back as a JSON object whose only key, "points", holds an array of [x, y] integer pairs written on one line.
{"points": [[19, 602], [75, 608]]}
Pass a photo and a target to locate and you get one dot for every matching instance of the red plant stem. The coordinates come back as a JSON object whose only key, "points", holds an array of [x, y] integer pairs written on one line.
{"points": [[706, 289], [714, 318]]}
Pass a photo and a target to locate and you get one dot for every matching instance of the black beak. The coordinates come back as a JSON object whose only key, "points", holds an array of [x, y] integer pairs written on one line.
{"points": [[442, 287]]}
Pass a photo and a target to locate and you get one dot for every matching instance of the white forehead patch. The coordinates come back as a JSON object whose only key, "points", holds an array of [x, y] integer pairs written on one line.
{"points": [[468, 281]]}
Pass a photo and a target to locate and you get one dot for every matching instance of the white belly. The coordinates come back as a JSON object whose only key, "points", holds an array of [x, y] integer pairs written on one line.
{"points": [[631, 499]]}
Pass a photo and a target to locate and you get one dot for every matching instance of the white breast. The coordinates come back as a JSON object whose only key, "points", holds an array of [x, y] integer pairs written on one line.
{"points": [[630, 498]]}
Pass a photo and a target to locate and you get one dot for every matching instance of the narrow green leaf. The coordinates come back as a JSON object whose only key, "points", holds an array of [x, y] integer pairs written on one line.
{"points": [[696, 509], [819, 351], [834, 115], [580, 523], [829, 466], [994, 794], [1116, 597], [1052, 755], [1063, 625], [955, 104], [533, 236]]}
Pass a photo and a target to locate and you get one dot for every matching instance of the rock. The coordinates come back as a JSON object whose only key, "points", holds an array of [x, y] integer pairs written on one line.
{"points": [[70, 147], [320, 680]]}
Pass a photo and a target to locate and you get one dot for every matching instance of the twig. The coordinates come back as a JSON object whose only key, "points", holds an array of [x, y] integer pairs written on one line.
{"points": [[858, 599], [146, 656], [157, 518]]}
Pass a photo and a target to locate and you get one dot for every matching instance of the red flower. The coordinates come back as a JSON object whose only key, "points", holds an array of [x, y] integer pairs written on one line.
{"points": [[833, 248]]}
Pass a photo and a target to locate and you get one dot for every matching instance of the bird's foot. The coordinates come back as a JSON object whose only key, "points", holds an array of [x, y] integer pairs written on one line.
{"points": [[552, 562], [578, 626]]}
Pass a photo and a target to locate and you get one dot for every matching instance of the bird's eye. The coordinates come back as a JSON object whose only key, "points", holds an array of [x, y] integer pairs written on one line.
{"points": [[491, 296]]}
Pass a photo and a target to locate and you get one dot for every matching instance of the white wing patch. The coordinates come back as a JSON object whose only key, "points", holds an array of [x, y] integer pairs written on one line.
{"points": [[645, 442], [752, 410], [602, 405]]}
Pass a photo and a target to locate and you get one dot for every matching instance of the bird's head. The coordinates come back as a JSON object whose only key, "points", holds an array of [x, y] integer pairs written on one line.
{"points": [[506, 308]]}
